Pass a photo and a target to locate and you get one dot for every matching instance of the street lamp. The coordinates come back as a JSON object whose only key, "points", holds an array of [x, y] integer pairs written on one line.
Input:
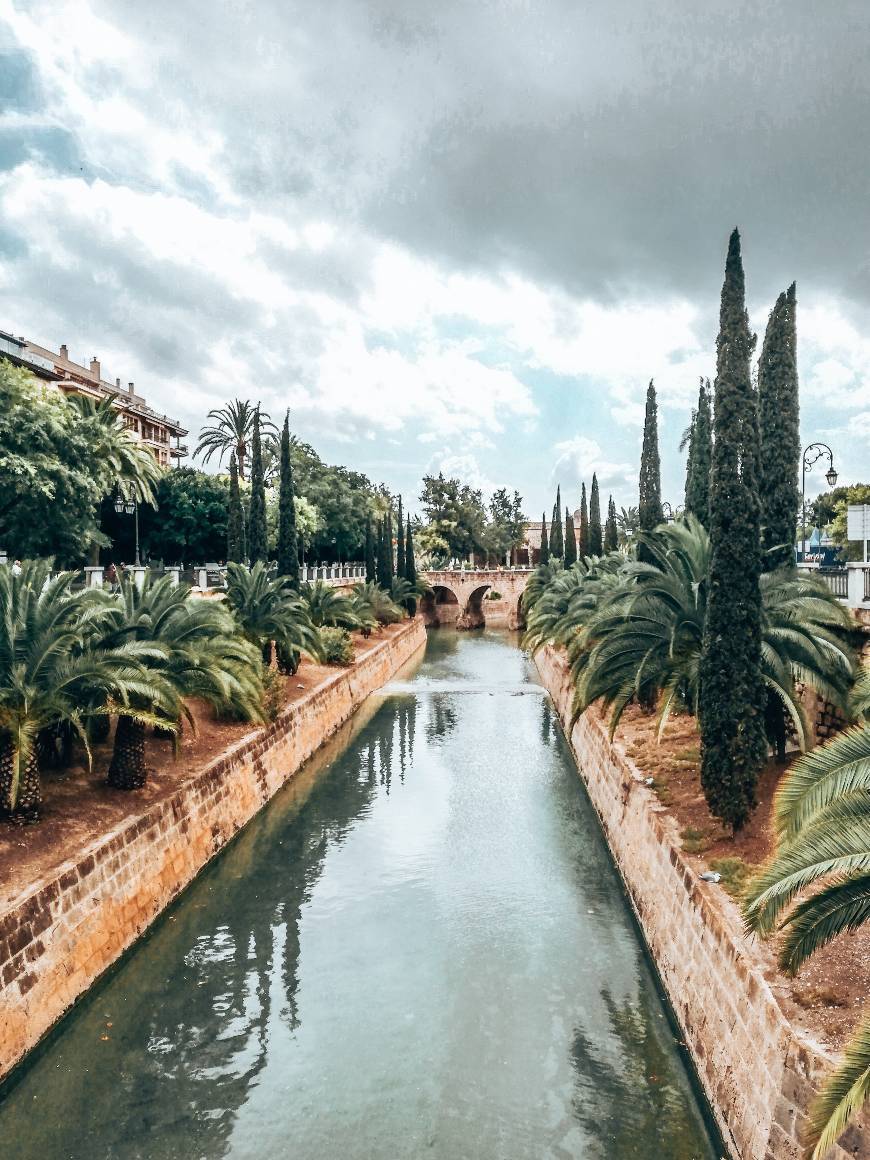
{"points": [[820, 449], [131, 507], [669, 514]]}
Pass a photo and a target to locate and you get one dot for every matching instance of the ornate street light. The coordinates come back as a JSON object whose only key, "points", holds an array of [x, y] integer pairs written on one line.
{"points": [[670, 514], [130, 505], [807, 462]]}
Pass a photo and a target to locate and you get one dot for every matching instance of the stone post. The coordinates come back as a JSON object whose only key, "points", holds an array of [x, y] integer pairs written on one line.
{"points": [[139, 576], [175, 575], [202, 579], [94, 576]]}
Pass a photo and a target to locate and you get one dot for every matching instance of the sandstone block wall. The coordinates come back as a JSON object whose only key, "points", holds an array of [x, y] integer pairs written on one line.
{"points": [[63, 932], [758, 1071]]}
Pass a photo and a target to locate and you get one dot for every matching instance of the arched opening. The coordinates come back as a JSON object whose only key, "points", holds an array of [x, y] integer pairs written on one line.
{"points": [[473, 616], [518, 616], [440, 605]]}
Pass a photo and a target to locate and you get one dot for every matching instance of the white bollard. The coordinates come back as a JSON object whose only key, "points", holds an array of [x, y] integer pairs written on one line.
{"points": [[139, 576], [175, 575], [94, 576], [203, 579]]}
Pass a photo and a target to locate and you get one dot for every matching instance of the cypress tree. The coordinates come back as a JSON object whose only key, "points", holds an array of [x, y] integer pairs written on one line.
{"points": [[557, 543], [288, 547], [410, 567], [650, 501], [400, 543], [700, 455], [385, 570], [391, 566], [371, 567], [257, 545], [596, 538], [235, 517], [544, 557], [611, 536], [732, 693], [780, 433], [584, 524], [570, 540]]}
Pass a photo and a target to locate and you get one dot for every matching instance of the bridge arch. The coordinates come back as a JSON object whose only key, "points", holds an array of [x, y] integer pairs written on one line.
{"points": [[473, 615], [440, 605]]}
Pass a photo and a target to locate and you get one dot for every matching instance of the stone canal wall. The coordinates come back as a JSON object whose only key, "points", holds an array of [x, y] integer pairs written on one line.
{"points": [[65, 931], [759, 1072]]}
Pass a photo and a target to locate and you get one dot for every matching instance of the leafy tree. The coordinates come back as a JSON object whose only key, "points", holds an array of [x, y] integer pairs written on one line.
{"points": [[236, 548], [779, 426], [344, 499], [189, 523], [650, 502], [371, 568], [557, 540], [611, 535], [544, 557], [855, 493], [507, 524], [732, 693], [192, 651], [400, 543], [455, 515], [233, 431], [570, 540], [596, 537], [584, 523], [58, 459], [700, 441], [257, 544], [288, 547]]}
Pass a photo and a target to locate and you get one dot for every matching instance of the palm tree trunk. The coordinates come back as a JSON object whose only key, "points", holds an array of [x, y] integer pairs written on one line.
{"points": [[29, 799], [127, 768]]}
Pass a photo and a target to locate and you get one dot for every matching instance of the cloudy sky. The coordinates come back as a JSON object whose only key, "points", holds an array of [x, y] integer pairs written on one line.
{"points": [[452, 235]]}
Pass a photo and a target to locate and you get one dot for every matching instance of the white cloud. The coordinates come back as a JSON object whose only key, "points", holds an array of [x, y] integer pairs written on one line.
{"points": [[580, 456]]}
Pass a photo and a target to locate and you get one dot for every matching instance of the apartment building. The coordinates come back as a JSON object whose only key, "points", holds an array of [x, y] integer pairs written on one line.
{"points": [[160, 434]]}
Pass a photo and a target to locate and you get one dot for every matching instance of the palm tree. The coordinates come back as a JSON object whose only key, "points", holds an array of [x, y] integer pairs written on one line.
{"points": [[823, 853], [50, 669], [373, 606], [328, 607], [232, 431], [627, 524], [644, 637], [192, 651], [269, 610], [561, 607]]}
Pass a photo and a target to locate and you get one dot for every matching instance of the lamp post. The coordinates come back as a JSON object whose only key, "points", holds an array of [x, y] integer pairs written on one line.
{"points": [[131, 507], [669, 514], [820, 449]]}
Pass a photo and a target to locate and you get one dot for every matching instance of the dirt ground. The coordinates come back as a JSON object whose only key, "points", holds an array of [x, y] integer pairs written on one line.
{"points": [[827, 996], [79, 807]]}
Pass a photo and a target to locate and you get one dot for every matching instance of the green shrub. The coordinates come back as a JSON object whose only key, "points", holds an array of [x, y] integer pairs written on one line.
{"points": [[493, 595], [735, 874], [337, 646], [274, 693]]}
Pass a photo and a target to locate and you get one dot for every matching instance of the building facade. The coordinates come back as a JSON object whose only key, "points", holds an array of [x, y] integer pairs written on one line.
{"points": [[160, 434]]}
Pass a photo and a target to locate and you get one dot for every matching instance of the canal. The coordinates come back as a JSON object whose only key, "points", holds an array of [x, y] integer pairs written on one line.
{"points": [[421, 948]]}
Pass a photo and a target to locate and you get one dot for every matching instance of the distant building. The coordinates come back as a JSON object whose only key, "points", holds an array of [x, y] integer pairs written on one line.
{"points": [[145, 424]]}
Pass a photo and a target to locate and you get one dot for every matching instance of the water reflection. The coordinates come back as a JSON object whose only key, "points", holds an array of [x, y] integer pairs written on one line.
{"points": [[424, 949]]}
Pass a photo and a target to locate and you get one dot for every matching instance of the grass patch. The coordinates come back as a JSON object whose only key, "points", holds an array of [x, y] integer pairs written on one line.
{"points": [[694, 841], [688, 755], [820, 997], [735, 874], [661, 790]]}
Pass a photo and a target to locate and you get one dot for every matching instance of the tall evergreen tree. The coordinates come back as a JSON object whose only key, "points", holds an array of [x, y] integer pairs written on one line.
{"points": [[235, 517], [557, 542], [288, 546], [780, 433], [257, 543], [584, 524], [596, 537], [611, 535], [410, 567], [732, 692], [650, 502], [544, 556], [700, 438], [570, 540], [371, 563], [400, 543], [385, 553]]}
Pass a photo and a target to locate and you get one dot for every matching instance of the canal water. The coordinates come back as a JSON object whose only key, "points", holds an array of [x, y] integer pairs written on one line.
{"points": [[421, 948]]}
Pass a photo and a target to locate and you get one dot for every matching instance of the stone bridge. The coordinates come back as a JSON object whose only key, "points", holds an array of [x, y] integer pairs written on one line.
{"points": [[473, 597]]}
